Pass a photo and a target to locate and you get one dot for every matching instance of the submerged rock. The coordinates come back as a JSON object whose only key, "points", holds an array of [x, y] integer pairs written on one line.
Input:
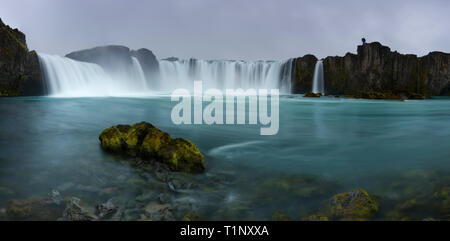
{"points": [[279, 216], [191, 216], [159, 212], [354, 205], [148, 142], [54, 197], [33, 209], [316, 217], [164, 198], [75, 212], [105, 210]]}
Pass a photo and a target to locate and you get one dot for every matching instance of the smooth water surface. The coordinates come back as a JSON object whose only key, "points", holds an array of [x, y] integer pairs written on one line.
{"points": [[324, 146]]}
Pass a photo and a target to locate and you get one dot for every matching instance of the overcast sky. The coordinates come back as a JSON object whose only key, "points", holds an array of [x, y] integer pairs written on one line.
{"points": [[231, 29]]}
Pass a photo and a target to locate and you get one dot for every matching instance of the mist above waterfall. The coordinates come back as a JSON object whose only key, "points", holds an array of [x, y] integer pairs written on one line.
{"points": [[66, 77]]}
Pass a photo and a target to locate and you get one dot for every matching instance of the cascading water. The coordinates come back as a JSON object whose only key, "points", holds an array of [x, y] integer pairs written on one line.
{"points": [[226, 74], [67, 77], [139, 73], [318, 83]]}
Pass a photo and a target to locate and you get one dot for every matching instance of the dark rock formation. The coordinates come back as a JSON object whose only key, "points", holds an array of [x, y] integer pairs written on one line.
{"points": [[75, 212], [117, 59], [148, 142], [303, 74], [20, 73], [356, 205], [376, 69], [111, 57], [313, 95], [148, 61], [47, 208]]}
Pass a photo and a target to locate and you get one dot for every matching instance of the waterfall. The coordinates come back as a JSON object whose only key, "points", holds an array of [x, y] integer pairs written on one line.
{"points": [[139, 72], [70, 78], [226, 74], [66, 77], [318, 84]]}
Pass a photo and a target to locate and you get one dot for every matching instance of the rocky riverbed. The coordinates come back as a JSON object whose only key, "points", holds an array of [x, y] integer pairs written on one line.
{"points": [[164, 195]]}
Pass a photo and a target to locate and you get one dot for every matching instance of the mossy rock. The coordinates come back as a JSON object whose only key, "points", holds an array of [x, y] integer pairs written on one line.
{"points": [[313, 95], [191, 216], [114, 138], [442, 193], [355, 205], [148, 142], [279, 216], [33, 209], [316, 217]]}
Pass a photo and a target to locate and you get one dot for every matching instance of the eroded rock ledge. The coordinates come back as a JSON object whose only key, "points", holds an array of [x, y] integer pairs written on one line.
{"points": [[20, 73], [376, 72], [149, 143]]}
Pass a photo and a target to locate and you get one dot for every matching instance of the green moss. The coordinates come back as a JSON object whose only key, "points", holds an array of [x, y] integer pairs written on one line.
{"points": [[316, 217], [32, 209], [279, 216], [191, 216], [355, 205], [148, 142], [114, 138], [442, 193]]}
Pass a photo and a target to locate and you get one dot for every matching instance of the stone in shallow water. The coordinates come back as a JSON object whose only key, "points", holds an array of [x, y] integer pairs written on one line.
{"points": [[75, 212], [164, 198], [33, 209], [316, 217], [148, 142], [54, 197], [159, 212], [106, 210], [279, 216], [191, 216], [354, 205]]}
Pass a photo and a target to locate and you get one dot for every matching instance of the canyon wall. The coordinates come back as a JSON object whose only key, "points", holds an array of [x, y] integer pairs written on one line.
{"points": [[375, 68], [20, 73]]}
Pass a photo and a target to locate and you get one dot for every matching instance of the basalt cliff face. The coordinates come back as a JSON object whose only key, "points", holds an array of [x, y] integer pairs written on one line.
{"points": [[374, 72], [376, 69], [20, 73]]}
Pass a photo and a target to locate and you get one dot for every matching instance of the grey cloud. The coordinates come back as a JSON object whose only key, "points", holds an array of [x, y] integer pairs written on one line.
{"points": [[231, 29]]}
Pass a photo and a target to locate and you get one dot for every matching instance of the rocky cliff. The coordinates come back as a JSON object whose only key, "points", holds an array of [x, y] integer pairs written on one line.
{"points": [[373, 72], [116, 58], [376, 69], [20, 73]]}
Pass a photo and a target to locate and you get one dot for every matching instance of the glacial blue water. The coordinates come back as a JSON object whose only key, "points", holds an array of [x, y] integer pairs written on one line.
{"points": [[52, 143]]}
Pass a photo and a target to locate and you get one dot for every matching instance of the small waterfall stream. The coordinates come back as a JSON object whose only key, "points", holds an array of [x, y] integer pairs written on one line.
{"points": [[318, 83]]}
